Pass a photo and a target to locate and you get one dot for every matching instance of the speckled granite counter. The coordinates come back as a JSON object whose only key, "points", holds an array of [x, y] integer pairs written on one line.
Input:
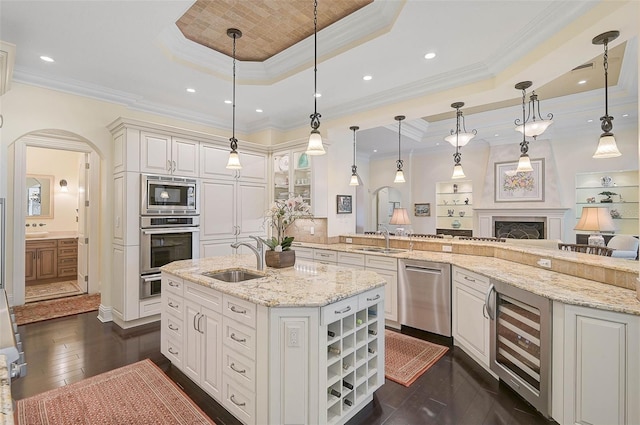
{"points": [[305, 285], [6, 403], [547, 283]]}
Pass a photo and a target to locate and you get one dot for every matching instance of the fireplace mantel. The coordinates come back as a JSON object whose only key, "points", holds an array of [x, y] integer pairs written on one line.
{"points": [[554, 219]]}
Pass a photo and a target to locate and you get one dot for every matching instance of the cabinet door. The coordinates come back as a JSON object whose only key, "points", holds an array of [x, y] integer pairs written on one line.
{"points": [[218, 209], [211, 373], [155, 153], [47, 261], [390, 294], [252, 204], [213, 162], [254, 167], [216, 248], [470, 327], [30, 264], [192, 350], [184, 157]]}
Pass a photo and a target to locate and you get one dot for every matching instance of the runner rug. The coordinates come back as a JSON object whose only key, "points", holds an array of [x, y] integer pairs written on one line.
{"points": [[51, 309], [139, 394], [407, 358]]}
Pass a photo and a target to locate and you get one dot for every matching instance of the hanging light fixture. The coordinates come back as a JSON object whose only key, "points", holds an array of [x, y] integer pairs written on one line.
{"points": [[524, 163], [399, 173], [354, 169], [458, 139], [234, 159], [537, 125], [315, 139], [607, 147]]}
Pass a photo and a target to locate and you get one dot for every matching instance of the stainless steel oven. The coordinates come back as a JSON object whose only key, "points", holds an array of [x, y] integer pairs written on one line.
{"points": [[165, 239], [168, 195], [521, 342]]}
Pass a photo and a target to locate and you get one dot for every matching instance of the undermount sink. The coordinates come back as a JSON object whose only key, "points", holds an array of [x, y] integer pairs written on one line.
{"points": [[381, 250], [32, 235], [236, 275]]}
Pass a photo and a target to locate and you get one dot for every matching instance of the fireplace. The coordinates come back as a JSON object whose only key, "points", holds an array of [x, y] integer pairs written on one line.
{"points": [[551, 219], [519, 229]]}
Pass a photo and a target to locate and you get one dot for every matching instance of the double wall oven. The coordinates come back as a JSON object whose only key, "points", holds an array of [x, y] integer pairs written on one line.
{"points": [[169, 227]]}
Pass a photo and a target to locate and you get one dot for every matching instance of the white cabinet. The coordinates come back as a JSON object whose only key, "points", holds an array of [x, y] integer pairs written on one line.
{"points": [[596, 370], [470, 325], [387, 267], [165, 154], [325, 256], [213, 165], [172, 322]]}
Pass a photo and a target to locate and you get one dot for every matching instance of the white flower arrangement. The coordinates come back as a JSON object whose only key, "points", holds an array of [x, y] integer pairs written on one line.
{"points": [[281, 215]]}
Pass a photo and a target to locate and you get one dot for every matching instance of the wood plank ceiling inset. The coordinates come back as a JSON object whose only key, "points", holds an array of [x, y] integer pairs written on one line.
{"points": [[268, 27]]}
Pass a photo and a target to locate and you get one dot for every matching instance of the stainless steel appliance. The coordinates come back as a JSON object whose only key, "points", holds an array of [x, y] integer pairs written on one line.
{"points": [[521, 342], [163, 240], [425, 296], [168, 195]]}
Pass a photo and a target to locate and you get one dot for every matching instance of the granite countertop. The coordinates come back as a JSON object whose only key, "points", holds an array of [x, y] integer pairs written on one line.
{"points": [[306, 284], [6, 403], [553, 285], [40, 234]]}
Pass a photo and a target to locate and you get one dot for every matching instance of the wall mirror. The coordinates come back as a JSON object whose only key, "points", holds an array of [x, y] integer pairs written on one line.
{"points": [[39, 196]]}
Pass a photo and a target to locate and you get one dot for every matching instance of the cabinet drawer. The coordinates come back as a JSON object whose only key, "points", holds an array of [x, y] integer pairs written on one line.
{"points": [[338, 310], [172, 326], [172, 284], [324, 255], [172, 349], [151, 306], [370, 298], [471, 279], [239, 310], [206, 297], [68, 252], [68, 242], [41, 244], [67, 270], [380, 262], [303, 253], [351, 259], [239, 337], [238, 400], [67, 261], [174, 304], [239, 368]]}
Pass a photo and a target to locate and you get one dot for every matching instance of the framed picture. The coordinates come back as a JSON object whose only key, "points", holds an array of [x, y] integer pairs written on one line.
{"points": [[422, 210], [512, 186], [343, 203], [393, 206]]}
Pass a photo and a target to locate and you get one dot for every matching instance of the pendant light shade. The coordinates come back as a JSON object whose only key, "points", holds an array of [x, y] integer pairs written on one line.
{"points": [[399, 173], [607, 147], [234, 158], [459, 138], [354, 169], [524, 164], [535, 124], [315, 139], [458, 173]]}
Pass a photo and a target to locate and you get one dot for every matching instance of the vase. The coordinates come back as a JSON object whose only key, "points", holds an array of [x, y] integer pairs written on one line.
{"points": [[280, 259], [456, 224]]}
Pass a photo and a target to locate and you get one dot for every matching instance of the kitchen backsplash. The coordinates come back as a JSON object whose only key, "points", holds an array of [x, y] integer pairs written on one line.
{"points": [[301, 230]]}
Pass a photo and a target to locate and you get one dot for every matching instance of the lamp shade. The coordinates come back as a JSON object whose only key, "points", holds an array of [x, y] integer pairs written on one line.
{"points": [[595, 219], [399, 177], [234, 161], [354, 180], [607, 147], [315, 144], [458, 173], [534, 128], [400, 216], [463, 139], [524, 164]]}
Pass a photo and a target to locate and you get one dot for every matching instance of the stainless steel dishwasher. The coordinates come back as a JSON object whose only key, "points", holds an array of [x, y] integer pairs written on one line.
{"points": [[424, 297]]}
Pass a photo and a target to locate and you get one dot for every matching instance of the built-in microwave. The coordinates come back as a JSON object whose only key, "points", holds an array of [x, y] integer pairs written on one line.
{"points": [[168, 195]]}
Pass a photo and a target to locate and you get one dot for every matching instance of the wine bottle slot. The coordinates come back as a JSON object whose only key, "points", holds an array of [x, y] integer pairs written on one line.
{"points": [[334, 350], [331, 334], [334, 392], [347, 384], [373, 332], [348, 402]]}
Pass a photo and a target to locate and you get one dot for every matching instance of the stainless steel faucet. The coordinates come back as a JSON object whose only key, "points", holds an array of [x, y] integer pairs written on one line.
{"points": [[257, 251], [385, 232]]}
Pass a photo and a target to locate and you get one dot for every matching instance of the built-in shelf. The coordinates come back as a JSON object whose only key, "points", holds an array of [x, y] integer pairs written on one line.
{"points": [[456, 196]]}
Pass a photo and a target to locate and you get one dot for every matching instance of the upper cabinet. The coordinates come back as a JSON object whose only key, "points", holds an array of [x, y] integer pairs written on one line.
{"points": [[7, 59], [454, 205], [616, 190], [213, 164], [164, 154]]}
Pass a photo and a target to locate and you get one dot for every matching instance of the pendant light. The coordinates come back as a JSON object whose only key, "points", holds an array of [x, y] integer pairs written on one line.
{"points": [[458, 139], [354, 169], [537, 125], [315, 139], [607, 147], [234, 159], [524, 163], [399, 173]]}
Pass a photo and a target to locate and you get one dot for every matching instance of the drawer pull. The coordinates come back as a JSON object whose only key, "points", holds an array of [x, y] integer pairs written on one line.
{"points": [[469, 279], [175, 353], [172, 305], [344, 310], [233, 367], [175, 285], [173, 328], [377, 297], [235, 402], [233, 337], [235, 310]]}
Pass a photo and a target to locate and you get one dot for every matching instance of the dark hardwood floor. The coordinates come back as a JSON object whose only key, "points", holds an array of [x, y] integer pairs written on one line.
{"points": [[454, 391]]}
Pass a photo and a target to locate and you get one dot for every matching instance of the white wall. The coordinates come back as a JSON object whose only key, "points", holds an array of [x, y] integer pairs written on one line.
{"points": [[340, 158]]}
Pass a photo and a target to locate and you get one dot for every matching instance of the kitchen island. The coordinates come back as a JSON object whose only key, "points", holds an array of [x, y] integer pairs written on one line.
{"points": [[304, 344]]}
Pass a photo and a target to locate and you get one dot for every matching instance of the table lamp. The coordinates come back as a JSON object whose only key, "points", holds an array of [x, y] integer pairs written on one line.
{"points": [[400, 217], [595, 220]]}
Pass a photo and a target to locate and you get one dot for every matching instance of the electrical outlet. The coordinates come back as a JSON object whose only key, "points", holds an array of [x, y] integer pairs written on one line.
{"points": [[447, 248], [348, 240], [294, 337], [312, 230], [544, 262]]}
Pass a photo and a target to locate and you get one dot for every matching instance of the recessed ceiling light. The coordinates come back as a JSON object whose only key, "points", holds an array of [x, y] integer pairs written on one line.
{"points": [[190, 90], [496, 135], [367, 78], [589, 120], [228, 102], [317, 95], [47, 59], [582, 82], [258, 110], [430, 55], [437, 143], [625, 115], [375, 150]]}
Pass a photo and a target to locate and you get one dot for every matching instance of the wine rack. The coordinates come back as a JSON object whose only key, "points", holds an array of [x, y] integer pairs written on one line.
{"points": [[354, 357]]}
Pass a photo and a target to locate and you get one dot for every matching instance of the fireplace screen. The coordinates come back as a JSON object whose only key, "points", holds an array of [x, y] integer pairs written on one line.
{"points": [[519, 230]]}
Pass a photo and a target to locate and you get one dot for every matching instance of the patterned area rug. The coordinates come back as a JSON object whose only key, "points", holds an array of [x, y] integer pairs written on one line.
{"points": [[139, 393], [406, 358], [44, 310], [49, 291]]}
